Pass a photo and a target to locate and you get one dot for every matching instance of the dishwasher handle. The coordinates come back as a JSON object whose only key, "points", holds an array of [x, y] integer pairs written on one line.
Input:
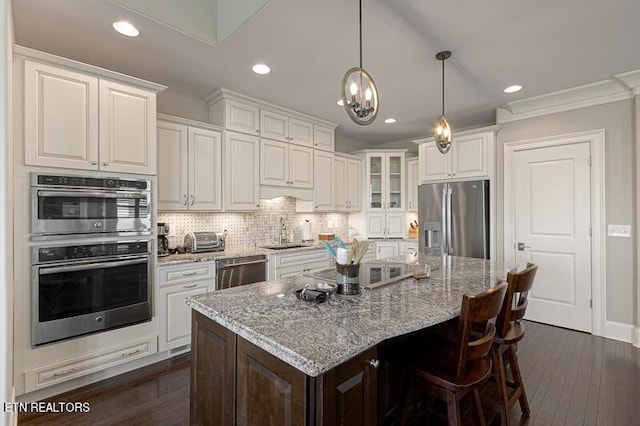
{"points": [[231, 265]]}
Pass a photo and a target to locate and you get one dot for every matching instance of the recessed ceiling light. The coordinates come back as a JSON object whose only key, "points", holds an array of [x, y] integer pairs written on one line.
{"points": [[390, 120], [261, 69], [125, 28], [340, 102], [512, 89]]}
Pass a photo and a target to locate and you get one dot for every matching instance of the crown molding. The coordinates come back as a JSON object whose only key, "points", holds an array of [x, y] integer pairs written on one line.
{"points": [[494, 129], [621, 87]]}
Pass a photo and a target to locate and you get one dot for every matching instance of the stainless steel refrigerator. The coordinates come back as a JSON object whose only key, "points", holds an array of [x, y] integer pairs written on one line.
{"points": [[454, 218]]}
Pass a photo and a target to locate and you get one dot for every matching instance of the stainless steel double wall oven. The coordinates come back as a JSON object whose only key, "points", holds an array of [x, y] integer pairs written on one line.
{"points": [[91, 255]]}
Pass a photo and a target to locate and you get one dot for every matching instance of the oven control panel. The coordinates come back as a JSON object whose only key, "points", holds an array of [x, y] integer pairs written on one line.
{"points": [[89, 251]]}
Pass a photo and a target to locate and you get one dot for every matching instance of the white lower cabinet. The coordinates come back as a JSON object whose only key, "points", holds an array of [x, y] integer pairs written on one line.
{"points": [[290, 264], [74, 368], [385, 225], [408, 247], [176, 284], [386, 249]]}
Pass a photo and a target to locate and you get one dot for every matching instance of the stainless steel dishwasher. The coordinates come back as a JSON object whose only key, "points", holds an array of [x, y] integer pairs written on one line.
{"points": [[239, 271]]}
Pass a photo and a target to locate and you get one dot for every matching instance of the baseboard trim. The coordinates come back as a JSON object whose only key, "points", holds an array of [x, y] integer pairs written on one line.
{"points": [[622, 332]]}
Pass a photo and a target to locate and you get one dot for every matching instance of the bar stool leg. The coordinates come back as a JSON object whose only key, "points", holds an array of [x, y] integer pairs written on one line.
{"points": [[517, 379], [453, 409], [501, 384]]}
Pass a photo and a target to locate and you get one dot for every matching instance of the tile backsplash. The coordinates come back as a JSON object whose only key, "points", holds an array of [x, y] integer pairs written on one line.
{"points": [[259, 228]]}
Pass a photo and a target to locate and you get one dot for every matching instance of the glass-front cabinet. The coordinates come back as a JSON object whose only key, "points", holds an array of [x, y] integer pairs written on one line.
{"points": [[386, 181]]}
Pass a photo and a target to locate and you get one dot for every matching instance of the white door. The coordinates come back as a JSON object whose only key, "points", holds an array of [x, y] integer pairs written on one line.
{"points": [[172, 166], [354, 184], [552, 225], [274, 163], [340, 179], [241, 158], [301, 166], [205, 169], [323, 179]]}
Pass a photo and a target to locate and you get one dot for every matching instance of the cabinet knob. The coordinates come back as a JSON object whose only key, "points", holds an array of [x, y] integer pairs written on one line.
{"points": [[374, 363], [184, 200], [193, 199], [257, 130], [93, 163], [105, 164]]}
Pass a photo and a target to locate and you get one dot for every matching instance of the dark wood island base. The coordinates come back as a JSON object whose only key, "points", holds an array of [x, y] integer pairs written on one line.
{"points": [[234, 382]]}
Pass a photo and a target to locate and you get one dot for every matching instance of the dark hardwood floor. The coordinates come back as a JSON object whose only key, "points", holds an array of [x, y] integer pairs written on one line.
{"points": [[571, 378]]}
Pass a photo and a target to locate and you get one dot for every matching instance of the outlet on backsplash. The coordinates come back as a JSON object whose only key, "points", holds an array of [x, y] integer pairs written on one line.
{"points": [[246, 230]]}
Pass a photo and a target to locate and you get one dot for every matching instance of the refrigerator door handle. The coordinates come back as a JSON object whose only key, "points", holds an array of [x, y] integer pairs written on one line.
{"points": [[445, 235], [449, 236]]}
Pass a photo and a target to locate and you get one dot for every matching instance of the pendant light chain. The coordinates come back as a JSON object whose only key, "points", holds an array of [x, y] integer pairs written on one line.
{"points": [[443, 87], [360, 26]]}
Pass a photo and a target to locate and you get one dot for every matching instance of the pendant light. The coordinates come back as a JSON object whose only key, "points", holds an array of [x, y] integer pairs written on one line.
{"points": [[442, 130], [359, 93]]}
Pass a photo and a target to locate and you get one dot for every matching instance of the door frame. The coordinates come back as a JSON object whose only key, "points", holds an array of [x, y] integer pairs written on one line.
{"points": [[596, 139]]}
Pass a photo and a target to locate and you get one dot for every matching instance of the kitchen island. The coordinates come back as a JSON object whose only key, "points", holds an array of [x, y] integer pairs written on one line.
{"points": [[261, 356]]}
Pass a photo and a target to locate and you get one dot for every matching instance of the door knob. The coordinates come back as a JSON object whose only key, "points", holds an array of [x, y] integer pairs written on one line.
{"points": [[522, 246], [374, 363]]}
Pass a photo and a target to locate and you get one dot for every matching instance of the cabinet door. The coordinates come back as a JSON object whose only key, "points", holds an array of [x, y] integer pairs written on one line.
{"points": [[376, 182], [274, 125], [205, 169], [394, 186], [127, 129], [395, 225], [241, 184], [323, 138], [340, 184], [412, 185], [300, 166], [384, 250], [323, 188], [242, 117], [376, 225], [354, 185], [274, 163], [61, 117], [269, 391], [172, 166], [175, 314], [300, 132], [433, 164], [470, 156], [348, 393]]}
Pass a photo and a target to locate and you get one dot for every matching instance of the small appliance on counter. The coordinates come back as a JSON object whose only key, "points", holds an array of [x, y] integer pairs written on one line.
{"points": [[163, 242], [198, 242]]}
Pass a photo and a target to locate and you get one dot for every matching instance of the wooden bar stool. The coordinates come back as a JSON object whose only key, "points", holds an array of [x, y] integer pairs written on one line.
{"points": [[451, 370], [509, 331]]}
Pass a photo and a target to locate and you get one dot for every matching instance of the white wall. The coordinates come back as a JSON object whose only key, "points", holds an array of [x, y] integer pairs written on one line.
{"points": [[6, 134], [617, 120]]}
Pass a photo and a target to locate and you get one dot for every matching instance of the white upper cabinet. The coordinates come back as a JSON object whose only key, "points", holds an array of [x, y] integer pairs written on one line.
{"points": [[471, 156], [241, 157], [283, 164], [323, 178], [347, 174], [412, 185], [241, 117], [385, 181], [243, 114], [300, 132], [274, 125], [189, 168], [79, 121], [323, 138], [127, 129]]}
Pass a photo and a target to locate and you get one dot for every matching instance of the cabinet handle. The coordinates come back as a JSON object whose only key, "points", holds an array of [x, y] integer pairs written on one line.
{"points": [[93, 163], [105, 164], [374, 363], [257, 130], [184, 199], [189, 286], [64, 373], [193, 199], [127, 354], [188, 274]]}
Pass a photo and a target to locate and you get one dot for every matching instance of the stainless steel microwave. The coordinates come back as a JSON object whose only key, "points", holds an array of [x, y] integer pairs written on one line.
{"points": [[83, 205]]}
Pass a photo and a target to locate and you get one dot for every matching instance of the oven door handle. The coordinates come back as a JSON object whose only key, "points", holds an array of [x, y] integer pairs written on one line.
{"points": [[84, 267], [96, 194], [232, 265]]}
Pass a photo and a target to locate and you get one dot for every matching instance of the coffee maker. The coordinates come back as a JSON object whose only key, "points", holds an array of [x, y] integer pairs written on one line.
{"points": [[163, 242]]}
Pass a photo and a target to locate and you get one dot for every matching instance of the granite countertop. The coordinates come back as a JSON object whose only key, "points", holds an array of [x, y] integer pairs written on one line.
{"points": [[175, 259], [314, 338]]}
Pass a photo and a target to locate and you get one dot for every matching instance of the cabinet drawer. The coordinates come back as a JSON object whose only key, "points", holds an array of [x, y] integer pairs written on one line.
{"points": [[189, 272], [406, 248], [307, 256], [71, 369]]}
